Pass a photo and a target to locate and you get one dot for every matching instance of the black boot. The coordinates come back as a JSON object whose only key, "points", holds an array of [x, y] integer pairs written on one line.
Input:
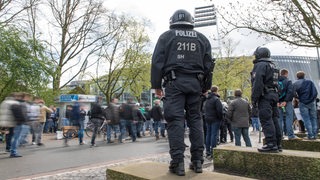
{"points": [[279, 145], [269, 148], [177, 168], [196, 166]]}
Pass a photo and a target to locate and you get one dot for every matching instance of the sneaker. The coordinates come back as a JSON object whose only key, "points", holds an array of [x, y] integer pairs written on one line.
{"points": [[110, 141], [15, 155], [93, 145], [269, 149], [33, 143], [311, 138], [40, 144], [295, 138], [82, 143]]}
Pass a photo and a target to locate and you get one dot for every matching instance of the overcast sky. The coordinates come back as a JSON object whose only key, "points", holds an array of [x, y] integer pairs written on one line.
{"points": [[159, 12]]}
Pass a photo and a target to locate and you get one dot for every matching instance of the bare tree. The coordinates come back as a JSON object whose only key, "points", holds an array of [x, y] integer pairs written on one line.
{"points": [[123, 59], [12, 11], [232, 72], [294, 21], [74, 30]]}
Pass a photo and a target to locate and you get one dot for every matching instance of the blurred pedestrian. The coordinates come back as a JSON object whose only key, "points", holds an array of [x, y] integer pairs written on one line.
{"points": [[113, 120], [255, 119], [157, 116], [140, 119], [285, 105], [214, 117], [7, 119], [26, 128], [306, 92], [130, 117], [148, 125], [97, 118], [44, 110], [19, 111], [239, 115]]}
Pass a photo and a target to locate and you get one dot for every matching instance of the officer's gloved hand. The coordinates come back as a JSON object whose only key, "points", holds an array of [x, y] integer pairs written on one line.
{"points": [[254, 104]]}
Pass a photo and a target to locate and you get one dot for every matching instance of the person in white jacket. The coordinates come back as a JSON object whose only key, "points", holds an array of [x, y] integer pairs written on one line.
{"points": [[7, 119]]}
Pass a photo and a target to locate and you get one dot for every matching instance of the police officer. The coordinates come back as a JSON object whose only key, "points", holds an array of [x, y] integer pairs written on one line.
{"points": [[264, 79], [182, 60]]}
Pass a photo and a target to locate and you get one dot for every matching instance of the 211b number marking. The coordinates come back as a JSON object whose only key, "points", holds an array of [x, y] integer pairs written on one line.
{"points": [[186, 46]]}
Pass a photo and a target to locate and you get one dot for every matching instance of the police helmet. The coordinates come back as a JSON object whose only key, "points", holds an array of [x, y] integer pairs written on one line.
{"points": [[262, 52], [181, 18]]}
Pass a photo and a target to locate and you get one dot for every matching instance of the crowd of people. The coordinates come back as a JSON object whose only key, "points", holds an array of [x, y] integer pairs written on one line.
{"points": [[22, 114]]}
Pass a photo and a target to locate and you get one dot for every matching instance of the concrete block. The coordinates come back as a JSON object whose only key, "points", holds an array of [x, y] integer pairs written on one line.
{"points": [[159, 171], [303, 135], [304, 145], [288, 164]]}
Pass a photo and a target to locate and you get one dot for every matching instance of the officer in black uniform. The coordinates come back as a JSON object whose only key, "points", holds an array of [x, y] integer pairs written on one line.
{"points": [[183, 65], [264, 79]]}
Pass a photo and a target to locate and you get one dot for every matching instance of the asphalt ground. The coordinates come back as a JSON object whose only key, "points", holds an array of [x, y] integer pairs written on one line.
{"points": [[54, 157]]}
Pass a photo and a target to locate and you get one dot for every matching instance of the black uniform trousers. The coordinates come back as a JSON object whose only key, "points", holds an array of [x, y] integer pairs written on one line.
{"points": [[269, 115], [182, 102]]}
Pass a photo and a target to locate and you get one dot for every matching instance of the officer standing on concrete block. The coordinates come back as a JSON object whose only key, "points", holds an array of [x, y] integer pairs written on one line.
{"points": [[183, 65], [264, 79]]}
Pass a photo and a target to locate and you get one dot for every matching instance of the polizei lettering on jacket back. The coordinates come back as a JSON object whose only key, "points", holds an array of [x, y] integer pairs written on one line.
{"points": [[186, 47], [185, 33]]}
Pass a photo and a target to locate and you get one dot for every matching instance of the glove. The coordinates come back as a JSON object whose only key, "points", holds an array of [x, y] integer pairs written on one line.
{"points": [[254, 104]]}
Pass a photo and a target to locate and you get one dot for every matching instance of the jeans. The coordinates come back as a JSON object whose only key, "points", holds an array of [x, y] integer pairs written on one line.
{"points": [[288, 113], [309, 116], [24, 135], [163, 129], [139, 127], [123, 131], [81, 131], [148, 125], [132, 128], [18, 130], [255, 123], [37, 130], [9, 138], [245, 134], [97, 123], [156, 127], [212, 133], [48, 126], [111, 128]]}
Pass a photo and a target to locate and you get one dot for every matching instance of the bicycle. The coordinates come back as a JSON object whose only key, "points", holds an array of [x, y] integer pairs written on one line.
{"points": [[90, 128], [70, 131]]}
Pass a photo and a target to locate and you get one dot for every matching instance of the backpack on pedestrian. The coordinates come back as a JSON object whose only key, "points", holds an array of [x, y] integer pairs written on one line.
{"points": [[281, 88]]}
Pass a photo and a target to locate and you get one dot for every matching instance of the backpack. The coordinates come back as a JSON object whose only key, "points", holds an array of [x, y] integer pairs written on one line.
{"points": [[48, 115], [281, 89]]}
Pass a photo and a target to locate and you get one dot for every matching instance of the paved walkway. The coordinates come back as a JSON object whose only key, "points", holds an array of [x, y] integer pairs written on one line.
{"points": [[98, 171]]}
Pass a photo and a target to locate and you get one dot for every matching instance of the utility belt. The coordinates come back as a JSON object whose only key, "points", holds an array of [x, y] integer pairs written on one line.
{"points": [[173, 75], [270, 89]]}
